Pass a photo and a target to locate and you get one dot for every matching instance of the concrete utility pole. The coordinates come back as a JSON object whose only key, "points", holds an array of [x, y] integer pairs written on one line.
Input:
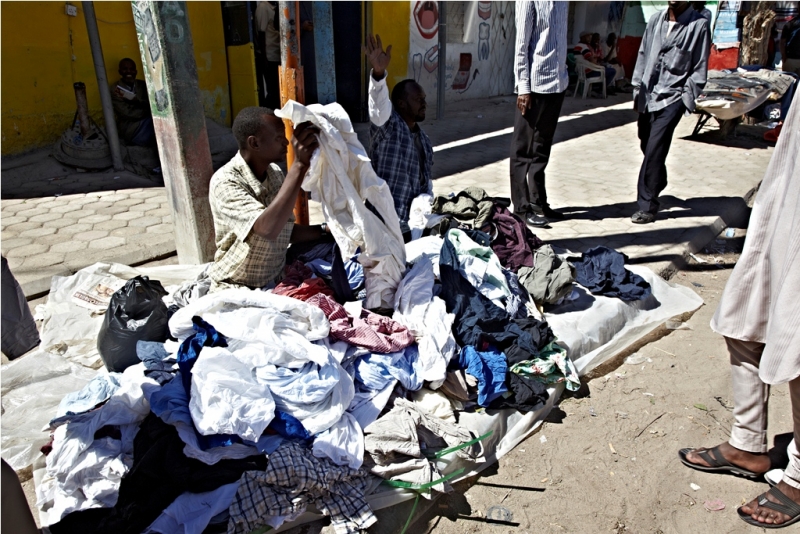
{"points": [[165, 43], [291, 83], [102, 86]]}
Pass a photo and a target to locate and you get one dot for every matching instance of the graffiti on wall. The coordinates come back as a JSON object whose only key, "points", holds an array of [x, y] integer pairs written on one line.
{"points": [[479, 62]]}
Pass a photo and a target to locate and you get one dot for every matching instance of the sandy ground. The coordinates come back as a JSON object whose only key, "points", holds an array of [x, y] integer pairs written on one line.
{"points": [[606, 460]]}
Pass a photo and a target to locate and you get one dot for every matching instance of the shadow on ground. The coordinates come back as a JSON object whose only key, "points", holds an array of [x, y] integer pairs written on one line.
{"points": [[729, 209]]}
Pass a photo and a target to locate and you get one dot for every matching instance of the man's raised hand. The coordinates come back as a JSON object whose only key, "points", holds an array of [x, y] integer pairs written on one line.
{"points": [[378, 58]]}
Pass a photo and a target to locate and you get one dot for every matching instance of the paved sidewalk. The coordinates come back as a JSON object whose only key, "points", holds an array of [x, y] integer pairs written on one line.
{"points": [[592, 176]]}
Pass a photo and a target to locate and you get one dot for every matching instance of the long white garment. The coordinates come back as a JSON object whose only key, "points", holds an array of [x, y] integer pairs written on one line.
{"points": [[426, 317], [760, 299], [86, 473], [341, 178]]}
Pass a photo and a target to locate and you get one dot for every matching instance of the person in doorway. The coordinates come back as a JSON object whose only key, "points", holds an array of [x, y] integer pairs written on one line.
{"points": [[540, 79], [132, 107], [790, 45], [588, 47], [759, 316], [252, 202], [670, 73], [400, 151], [608, 52], [270, 40]]}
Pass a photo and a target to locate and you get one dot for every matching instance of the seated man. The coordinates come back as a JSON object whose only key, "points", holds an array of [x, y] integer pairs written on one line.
{"points": [[401, 153], [252, 201], [585, 49], [132, 107]]}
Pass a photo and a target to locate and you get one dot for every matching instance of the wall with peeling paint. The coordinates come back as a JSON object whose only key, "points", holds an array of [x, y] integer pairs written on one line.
{"points": [[44, 51], [480, 48]]}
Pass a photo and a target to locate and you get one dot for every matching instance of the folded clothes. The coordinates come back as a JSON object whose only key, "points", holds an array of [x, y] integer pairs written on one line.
{"points": [[602, 271]]}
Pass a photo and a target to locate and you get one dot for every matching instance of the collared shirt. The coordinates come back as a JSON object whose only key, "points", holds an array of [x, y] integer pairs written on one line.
{"points": [[237, 199], [394, 153], [540, 62], [130, 113], [671, 67], [265, 18]]}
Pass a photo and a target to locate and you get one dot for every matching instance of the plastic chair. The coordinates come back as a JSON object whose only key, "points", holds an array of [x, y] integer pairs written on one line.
{"points": [[581, 65]]}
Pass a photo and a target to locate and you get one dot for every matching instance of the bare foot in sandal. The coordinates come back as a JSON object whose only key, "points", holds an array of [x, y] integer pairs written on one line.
{"points": [[758, 510], [726, 457]]}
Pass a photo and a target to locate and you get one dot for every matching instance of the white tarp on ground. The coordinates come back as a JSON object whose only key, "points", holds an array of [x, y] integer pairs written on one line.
{"points": [[594, 328]]}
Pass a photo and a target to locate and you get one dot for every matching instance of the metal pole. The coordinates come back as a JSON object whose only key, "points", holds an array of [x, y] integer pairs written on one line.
{"points": [[102, 84], [442, 71], [291, 82], [323, 48]]}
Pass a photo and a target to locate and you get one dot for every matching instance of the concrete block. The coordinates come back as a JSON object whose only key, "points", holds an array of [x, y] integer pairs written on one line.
{"points": [[38, 261], [94, 219], [144, 222], [32, 212], [50, 240], [129, 202], [37, 232], [127, 216], [107, 243], [94, 206], [90, 235], [161, 229], [159, 212], [148, 193], [27, 250], [61, 222], [126, 231], [74, 229], [45, 217], [69, 246], [14, 242], [113, 210], [11, 219], [68, 208], [110, 225], [21, 227]]}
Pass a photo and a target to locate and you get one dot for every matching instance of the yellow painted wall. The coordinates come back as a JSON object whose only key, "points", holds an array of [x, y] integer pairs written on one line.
{"points": [[242, 76], [44, 51], [391, 20]]}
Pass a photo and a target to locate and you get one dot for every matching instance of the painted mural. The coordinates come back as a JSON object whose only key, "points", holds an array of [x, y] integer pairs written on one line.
{"points": [[480, 57]]}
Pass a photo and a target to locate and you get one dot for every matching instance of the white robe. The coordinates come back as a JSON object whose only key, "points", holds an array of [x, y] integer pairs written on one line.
{"points": [[761, 301]]}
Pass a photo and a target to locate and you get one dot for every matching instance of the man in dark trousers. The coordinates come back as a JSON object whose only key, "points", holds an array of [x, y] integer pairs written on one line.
{"points": [[540, 74], [670, 73]]}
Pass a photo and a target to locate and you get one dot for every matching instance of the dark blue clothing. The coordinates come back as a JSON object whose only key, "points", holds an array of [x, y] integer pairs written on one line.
{"points": [[602, 271]]}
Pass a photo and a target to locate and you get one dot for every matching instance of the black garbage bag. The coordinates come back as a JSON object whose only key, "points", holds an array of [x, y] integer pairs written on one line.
{"points": [[136, 313]]}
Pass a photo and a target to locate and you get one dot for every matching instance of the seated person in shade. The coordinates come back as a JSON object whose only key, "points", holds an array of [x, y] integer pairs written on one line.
{"points": [[252, 201], [591, 54], [609, 49], [132, 107], [400, 151]]}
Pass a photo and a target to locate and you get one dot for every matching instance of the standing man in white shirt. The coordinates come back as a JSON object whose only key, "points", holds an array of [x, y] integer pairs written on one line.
{"points": [[540, 74]]}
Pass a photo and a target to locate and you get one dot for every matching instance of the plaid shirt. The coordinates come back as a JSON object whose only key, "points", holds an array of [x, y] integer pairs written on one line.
{"points": [[237, 199], [295, 478], [395, 157]]}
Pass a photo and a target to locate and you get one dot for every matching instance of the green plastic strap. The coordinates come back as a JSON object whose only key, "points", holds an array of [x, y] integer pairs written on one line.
{"points": [[411, 515], [422, 487], [463, 445]]}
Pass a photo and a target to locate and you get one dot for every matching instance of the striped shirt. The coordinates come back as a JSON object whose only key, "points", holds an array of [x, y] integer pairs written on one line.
{"points": [[540, 61]]}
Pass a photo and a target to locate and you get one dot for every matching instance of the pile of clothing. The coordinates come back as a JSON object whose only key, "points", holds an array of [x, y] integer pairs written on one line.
{"points": [[263, 403]]}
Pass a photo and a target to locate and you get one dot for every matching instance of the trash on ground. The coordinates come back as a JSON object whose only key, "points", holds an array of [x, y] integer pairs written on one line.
{"points": [[635, 359], [694, 486], [714, 505]]}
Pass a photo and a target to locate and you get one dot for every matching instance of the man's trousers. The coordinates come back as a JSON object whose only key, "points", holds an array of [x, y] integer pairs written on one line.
{"points": [[530, 151], [655, 134]]}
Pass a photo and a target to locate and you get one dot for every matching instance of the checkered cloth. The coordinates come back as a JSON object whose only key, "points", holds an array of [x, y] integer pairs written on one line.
{"points": [[237, 199], [295, 478], [372, 331], [396, 159]]}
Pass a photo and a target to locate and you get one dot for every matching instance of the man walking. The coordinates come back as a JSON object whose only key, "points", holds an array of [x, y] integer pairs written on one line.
{"points": [[540, 74], [670, 73]]}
